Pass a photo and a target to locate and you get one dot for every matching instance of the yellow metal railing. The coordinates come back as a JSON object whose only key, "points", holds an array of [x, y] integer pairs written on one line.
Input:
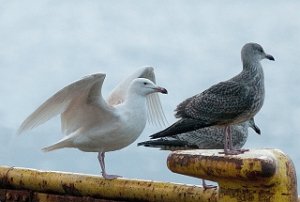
{"points": [[93, 186], [266, 175], [257, 176]]}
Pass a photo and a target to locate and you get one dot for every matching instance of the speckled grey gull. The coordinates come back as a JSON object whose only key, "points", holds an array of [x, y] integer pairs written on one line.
{"points": [[226, 103], [204, 138]]}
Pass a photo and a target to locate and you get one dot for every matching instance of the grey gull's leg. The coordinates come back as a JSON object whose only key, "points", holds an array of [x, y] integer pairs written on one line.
{"points": [[231, 146], [230, 138], [207, 186], [228, 150]]}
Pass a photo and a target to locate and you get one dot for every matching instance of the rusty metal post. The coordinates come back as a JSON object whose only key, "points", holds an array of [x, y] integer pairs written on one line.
{"points": [[266, 175], [58, 186]]}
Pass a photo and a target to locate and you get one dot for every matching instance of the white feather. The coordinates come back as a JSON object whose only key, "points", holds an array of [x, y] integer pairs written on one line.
{"points": [[91, 123], [58, 103], [155, 113]]}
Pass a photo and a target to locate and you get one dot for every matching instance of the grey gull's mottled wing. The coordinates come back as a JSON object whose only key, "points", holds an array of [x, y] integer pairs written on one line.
{"points": [[220, 103], [215, 106]]}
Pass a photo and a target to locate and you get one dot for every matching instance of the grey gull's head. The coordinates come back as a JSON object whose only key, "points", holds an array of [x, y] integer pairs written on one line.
{"points": [[250, 123], [253, 52], [254, 126]]}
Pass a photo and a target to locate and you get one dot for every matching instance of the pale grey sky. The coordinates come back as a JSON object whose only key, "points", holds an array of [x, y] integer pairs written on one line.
{"points": [[45, 45]]}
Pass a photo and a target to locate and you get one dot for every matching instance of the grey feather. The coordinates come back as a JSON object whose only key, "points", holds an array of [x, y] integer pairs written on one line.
{"points": [[205, 138]]}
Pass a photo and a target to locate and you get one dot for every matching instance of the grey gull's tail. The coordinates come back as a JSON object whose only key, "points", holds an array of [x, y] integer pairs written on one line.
{"points": [[181, 126], [168, 144]]}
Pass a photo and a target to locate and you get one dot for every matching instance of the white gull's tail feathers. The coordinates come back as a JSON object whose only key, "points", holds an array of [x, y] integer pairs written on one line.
{"points": [[65, 142]]}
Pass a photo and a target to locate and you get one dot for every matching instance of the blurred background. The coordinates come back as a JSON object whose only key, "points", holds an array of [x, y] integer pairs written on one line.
{"points": [[45, 45]]}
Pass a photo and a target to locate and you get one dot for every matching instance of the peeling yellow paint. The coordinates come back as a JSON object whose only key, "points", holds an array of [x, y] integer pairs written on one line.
{"points": [[266, 175], [97, 187], [259, 175]]}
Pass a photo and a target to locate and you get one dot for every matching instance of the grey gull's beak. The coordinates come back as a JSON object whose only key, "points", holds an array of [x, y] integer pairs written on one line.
{"points": [[256, 129], [270, 57]]}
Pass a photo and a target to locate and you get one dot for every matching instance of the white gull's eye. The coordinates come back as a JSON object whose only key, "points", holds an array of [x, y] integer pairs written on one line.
{"points": [[145, 83]]}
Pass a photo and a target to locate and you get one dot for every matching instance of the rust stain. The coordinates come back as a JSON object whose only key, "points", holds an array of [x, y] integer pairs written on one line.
{"points": [[43, 185], [70, 189], [21, 183], [268, 169], [15, 195], [67, 198], [252, 175]]}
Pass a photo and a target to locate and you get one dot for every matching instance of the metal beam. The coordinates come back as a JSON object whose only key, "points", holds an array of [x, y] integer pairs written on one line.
{"points": [[265, 175], [71, 184]]}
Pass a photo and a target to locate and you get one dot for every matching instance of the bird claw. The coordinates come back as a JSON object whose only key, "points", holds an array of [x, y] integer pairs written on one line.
{"points": [[209, 186], [234, 152], [110, 177], [243, 150]]}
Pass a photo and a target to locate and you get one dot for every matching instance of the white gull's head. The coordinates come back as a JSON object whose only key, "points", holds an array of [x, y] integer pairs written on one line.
{"points": [[142, 86]]}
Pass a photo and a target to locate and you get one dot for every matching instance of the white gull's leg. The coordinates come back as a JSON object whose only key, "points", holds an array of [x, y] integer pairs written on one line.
{"points": [[101, 156]]}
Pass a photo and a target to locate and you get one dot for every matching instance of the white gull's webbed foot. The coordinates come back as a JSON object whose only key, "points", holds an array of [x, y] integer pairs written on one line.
{"points": [[110, 177]]}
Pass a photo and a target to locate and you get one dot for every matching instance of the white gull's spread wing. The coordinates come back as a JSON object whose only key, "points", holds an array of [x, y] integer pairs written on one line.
{"points": [[155, 112], [88, 109], [65, 99]]}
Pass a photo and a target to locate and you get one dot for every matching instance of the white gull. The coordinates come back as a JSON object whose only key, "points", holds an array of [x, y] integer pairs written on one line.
{"points": [[93, 125]]}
